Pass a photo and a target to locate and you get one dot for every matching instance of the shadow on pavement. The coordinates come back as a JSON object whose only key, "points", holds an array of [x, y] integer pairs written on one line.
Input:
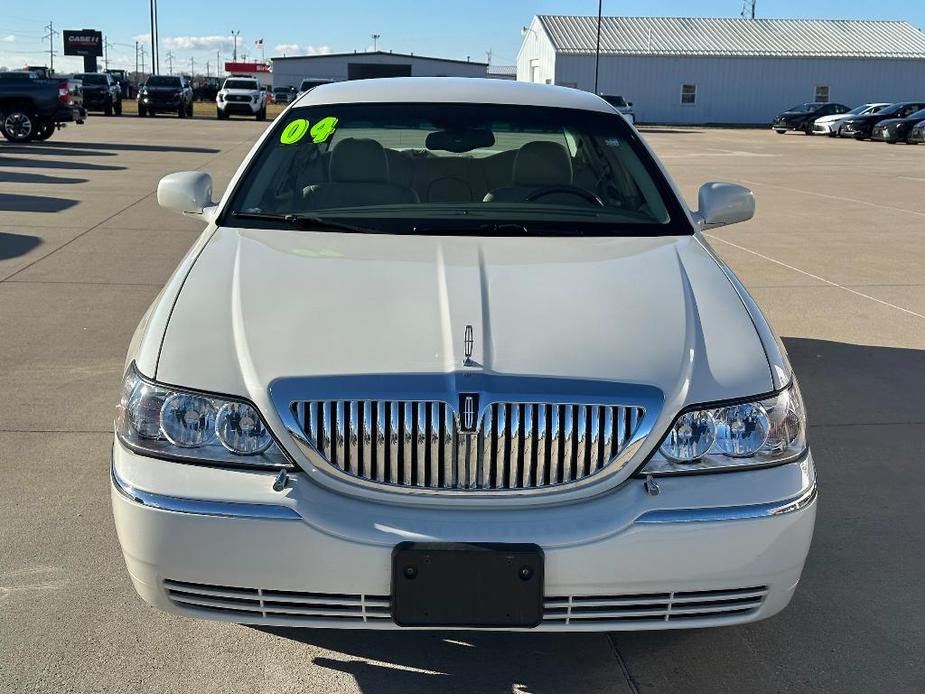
{"points": [[121, 147], [856, 621], [465, 661], [43, 149], [10, 202], [15, 245], [57, 164], [16, 177]]}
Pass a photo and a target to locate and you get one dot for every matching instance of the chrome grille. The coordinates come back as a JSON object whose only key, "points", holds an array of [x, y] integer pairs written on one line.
{"points": [[662, 607], [261, 604], [421, 444]]}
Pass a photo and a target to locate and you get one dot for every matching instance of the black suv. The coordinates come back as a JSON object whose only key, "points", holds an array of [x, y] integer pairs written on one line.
{"points": [[802, 116], [166, 94], [101, 92]]}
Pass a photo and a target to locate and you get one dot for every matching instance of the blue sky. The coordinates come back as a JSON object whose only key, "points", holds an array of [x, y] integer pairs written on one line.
{"points": [[449, 29]]}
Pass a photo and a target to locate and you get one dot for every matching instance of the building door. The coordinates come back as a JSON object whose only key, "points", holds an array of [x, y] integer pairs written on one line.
{"points": [[365, 71]]}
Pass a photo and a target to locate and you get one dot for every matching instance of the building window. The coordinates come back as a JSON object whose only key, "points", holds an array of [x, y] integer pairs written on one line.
{"points": [[822, 94], [688, 94]]}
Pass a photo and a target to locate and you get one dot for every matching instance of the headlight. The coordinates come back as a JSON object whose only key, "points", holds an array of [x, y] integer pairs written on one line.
{"points": [[221, 97], [166, 422], [734, 436]]}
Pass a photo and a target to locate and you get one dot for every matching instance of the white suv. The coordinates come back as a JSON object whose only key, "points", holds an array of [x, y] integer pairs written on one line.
{"points": [[241, 96]]}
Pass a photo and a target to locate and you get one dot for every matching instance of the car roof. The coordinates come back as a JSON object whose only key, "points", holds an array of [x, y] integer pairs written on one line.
{"points": [[452, 90]]}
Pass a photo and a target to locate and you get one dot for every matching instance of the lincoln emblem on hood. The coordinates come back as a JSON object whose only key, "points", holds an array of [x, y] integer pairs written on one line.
{"points": [[468, 343]]}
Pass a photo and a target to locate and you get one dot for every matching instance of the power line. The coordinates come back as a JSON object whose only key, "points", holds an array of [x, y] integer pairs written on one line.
{"points": [[51, 44]]}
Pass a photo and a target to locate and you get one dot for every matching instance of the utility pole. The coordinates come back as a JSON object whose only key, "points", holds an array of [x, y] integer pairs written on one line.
{"points": [[170, 61], [192, 67], [51, 45], [218, 63], [375, 38], [488, 55], [106, 44], [235, 34], [142, 49], [597, 52], [136, 61], [208, 73], [155, 67]]}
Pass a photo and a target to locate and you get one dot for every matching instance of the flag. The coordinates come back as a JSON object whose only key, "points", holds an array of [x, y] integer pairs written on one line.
{"points": [[259, 43]]}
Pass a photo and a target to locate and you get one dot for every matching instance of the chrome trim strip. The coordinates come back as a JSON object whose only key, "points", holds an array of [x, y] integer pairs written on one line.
{"points": [[201, 507], [726, 513]]}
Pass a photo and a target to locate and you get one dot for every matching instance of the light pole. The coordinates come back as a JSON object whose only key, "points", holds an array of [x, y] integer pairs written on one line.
{"points": [[597, 52], [154, 56], [235, 34], [376, 38]]}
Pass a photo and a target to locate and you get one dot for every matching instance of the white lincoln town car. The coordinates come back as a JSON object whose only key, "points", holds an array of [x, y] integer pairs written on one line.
{"points": [[454, 353]]}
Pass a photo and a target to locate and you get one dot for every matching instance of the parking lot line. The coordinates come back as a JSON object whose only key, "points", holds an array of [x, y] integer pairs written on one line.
{"points": [[816, 277], [840, 198]]}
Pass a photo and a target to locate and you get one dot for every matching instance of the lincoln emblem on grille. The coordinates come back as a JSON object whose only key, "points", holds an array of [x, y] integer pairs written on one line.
{"points": [[469, 343], [469, 411]]}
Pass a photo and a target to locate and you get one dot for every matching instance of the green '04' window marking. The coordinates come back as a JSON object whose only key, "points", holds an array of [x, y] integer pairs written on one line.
{"points": [[294, 132], [323, 129]]}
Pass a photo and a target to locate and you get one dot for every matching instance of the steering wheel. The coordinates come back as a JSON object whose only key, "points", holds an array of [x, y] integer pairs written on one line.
{"points": [[585, 195]]}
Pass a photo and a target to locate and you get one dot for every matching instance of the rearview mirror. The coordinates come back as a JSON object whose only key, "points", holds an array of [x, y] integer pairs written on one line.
{"points": [[724, 203], [187, 192]]}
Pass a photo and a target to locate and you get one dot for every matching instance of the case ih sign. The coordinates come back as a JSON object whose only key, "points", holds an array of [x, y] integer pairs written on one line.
{"points": [[86, 42]]}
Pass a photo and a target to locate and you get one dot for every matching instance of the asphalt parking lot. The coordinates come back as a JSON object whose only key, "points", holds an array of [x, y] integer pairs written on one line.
{"points": [[835, 256]]}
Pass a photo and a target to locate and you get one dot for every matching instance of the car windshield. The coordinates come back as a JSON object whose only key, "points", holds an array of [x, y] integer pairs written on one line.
{"points": [[92, 79], [281, 89], [163, 81], [241, 84], [918, 115], [403, 168], [804, 108], [891, 110]]}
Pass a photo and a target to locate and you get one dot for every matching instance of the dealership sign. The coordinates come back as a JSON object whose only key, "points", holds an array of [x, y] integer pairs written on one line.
{"points": [[83, 42], [246, 68]]}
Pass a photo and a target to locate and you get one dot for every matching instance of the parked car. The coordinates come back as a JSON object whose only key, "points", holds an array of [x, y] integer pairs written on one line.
{"points": [[101, 92], [893, 130], [917, 134], [165, 94], [368, 398], [283, 95], [127, 88], [802, 116], [861, 127], [622, 105], [829, 125], [310, 83], [32, 108], [241, 96]]}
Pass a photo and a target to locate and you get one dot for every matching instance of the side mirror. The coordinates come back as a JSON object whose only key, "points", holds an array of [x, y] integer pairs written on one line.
{"points": [[724, 203], [187, 192], [629, 103]]}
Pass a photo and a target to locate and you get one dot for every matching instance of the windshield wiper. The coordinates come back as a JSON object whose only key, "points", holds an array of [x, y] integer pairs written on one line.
{"points": [[308, 222], [509, 230]]}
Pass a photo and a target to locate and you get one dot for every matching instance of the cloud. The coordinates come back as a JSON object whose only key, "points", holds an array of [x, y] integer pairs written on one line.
{"points": [[301, 50], [9, 38], [201, 43]]}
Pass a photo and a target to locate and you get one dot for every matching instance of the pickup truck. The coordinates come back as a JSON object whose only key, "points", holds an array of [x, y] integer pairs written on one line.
{"points": [[32, 108]]}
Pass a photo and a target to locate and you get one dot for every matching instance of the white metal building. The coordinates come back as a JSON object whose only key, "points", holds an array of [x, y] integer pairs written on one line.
{"points": [[683, 70], [337, 67]]}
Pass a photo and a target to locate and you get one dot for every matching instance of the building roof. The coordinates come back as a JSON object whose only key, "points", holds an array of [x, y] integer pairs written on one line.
{"points": [[735, 37], [507, 70], [451, 90], [360, 54]]}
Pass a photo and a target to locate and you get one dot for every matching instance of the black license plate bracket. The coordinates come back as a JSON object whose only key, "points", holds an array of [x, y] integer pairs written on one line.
{"points": [[471, 585]]}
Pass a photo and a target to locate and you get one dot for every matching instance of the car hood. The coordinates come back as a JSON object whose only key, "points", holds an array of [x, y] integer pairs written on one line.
{"points": [[834, 117], [260, 305], [245, 92], [795, 114]]}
